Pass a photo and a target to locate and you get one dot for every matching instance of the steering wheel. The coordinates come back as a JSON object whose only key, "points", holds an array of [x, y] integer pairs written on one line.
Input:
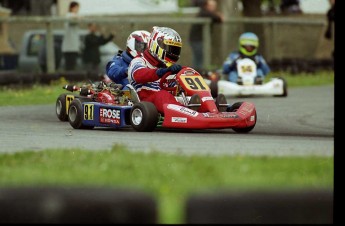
{"points": [[164, 84]]}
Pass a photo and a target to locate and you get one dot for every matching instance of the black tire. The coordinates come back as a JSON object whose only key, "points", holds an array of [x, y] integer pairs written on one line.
{"points": [[214, 88], [285, 88], [60, 108], [234, 108], [76, 113], [220, 99], [144, 116]]}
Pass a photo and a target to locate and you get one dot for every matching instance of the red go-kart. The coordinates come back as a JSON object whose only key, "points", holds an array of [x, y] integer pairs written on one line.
{"points": [[210, 113]]}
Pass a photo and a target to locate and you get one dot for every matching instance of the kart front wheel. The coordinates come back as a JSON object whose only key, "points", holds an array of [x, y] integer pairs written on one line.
{"points": [[234, 108], [76, 114], [144, 116]]}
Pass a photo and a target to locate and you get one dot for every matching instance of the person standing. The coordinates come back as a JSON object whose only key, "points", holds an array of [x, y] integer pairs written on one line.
{"points": [[209, 10], [91, 54], [71, 39], [330, 23]]}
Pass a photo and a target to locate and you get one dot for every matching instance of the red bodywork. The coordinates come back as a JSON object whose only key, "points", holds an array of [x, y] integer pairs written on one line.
{"points": [[105, 97], [102, 96], [208, 116]]}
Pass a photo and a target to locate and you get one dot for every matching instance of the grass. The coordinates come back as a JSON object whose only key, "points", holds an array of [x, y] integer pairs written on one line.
{"points": [[305, 79], [47, 94], [169, 178]]}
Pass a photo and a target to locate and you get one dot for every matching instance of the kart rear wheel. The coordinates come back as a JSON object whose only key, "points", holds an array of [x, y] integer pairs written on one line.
{"points": [[60, 108], [76, 113], [285, 91], [144, 116], [234, 108]]}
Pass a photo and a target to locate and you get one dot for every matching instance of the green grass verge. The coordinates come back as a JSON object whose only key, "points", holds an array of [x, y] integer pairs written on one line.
{"points": [[169, 178], [47, 94], [305, 79]]}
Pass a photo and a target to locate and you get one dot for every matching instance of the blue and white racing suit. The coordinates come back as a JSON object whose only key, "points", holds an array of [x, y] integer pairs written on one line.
{"points": [[230, 65], [117, 68]]}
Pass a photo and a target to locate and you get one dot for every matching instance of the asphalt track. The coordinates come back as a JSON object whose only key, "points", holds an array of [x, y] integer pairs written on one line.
{"points": [[301, 124]]}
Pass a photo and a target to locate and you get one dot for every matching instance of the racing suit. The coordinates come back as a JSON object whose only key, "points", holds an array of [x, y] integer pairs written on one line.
{"points": [[230, 65], [117, 68], [142, 76]]}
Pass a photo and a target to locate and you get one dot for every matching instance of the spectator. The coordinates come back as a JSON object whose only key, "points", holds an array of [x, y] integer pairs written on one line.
{"points": [[208, 9], [290, 6], [330, 22], [91, 54], [71, 39], [248, 47]]}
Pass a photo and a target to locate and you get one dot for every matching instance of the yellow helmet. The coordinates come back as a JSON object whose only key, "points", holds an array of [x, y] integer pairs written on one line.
{"points": [[248, 44]]}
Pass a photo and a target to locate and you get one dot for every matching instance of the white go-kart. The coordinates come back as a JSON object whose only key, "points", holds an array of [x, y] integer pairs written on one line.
{"points": [[247, 84]]}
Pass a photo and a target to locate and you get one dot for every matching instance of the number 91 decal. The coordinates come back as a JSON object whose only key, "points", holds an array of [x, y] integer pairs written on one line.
{"points": [[88, 111], [194, 83]]}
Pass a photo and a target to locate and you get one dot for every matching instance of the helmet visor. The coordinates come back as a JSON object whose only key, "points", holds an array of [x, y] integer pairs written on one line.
{"points": [[172, 52], [140, 46], [249, 48]]}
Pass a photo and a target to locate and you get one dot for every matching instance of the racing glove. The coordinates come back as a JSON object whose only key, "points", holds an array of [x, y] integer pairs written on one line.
{"points": [[174, 69]]}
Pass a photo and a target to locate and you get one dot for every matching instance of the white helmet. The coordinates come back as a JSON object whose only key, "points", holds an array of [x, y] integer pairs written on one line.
{"points": [[137, 42], [165, 45]]}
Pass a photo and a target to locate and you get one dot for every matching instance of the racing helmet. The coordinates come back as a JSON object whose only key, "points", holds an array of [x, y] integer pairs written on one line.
{"points": [[165, 45], [137, 42], [248, 44]]}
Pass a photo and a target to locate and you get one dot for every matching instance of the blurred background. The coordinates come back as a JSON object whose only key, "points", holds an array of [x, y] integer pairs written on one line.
{"points": [[290, 38]]}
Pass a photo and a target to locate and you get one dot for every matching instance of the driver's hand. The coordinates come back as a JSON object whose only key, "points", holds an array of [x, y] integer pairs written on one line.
{"points": [[175, 68]]}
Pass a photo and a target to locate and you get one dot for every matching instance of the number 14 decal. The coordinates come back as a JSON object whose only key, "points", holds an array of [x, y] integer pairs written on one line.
{"points": [[195, 82]]}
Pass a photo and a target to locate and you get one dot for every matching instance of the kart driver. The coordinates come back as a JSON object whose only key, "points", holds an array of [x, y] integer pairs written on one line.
{"points": [[117, 68], [145, 71], [248, 47]]}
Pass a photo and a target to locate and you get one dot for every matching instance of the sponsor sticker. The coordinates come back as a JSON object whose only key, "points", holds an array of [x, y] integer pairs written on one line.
{"points": [[179, 120], [206, 99], [183, 110], [245, 109], [228, 115], [109, 116]]}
